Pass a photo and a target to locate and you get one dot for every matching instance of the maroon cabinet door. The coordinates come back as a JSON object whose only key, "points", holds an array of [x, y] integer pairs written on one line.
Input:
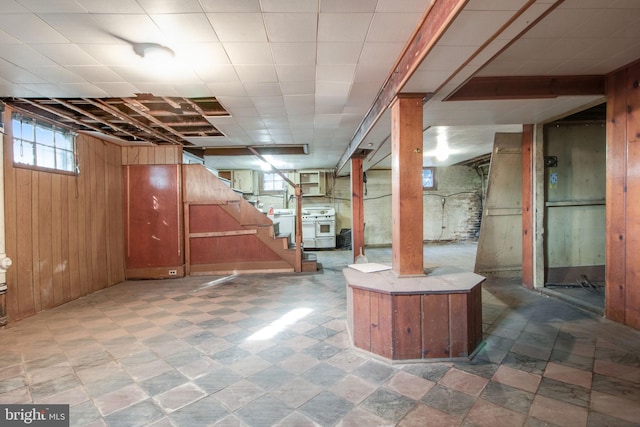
{"points": [[152, 216]]}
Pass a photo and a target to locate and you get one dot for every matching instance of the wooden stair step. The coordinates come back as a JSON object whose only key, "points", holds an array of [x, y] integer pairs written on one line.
{"points": [[241, 267]]}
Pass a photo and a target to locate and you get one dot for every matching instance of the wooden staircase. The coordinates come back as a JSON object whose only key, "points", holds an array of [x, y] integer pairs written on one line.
{"points": [[225, 234]]}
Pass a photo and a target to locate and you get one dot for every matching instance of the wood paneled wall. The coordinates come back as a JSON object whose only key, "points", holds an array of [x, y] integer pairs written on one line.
{"points": [[64, 233], [152, 155], [623, 193]]}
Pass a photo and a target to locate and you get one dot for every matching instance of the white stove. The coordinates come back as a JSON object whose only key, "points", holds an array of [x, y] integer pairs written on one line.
{"points": [[319, 227]]}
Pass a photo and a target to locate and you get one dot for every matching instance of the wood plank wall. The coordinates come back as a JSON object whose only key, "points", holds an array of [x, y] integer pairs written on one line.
{"points": [[64, 233], [623, 191], [152, 155]]}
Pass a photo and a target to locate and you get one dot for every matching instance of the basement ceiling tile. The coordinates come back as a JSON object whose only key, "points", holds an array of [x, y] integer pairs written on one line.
{"points": [[80, 28], [96, 74], [293, 6], [25, 57], [170, 6], [473, 28], [249, 53], [492, 5], [230, 5], [12, 6], [293, 53], [201, 54], [113, 54], [296, 73], [238, 27], [339, 53], [283, 27], [392, 27], [267, 101], [234, 89], [14, 74], [262, 88], [350, 27], [257, 73], [29, 29], [216, 74], [186, 27], [367, 73], [335, 72], [332, 89], [298, 88], [66, 54], [58, 74], [341, 6], [380, 53], [299, 101], [135, 28], [244, 112], [62, 6], [446, 57], [118, 89], [111, 6]]}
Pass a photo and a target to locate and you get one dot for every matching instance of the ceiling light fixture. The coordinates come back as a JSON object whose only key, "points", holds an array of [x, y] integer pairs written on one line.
{"points": [[153, 51]]}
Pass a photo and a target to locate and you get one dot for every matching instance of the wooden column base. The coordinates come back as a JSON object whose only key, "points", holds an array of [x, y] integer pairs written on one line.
{"points": [[429, 318]]}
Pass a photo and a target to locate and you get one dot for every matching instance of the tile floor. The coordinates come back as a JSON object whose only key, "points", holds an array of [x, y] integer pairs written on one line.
{"points": [[271, 350]]}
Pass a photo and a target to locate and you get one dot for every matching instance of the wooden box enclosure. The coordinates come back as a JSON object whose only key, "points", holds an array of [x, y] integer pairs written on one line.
{"points": [[420, 322]]}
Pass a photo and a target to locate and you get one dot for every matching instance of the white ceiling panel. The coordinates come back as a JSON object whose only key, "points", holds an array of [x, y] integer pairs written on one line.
{"points": [[293, 53], [111, 6], [249, 53], [351, 6], [283, 27], [170, 6], [185, 27], [29, 29], [62, 6], [351, 27], [230, 5], [296, 73], [291, 70], [392, 27], [298, 88], [238, 27], [262, 89], [335, 73]]}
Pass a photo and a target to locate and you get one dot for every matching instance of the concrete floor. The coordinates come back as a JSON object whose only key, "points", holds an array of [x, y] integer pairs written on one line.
{"points": [[271, 350]]}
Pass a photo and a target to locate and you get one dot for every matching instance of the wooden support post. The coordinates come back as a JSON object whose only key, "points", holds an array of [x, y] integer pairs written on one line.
{"points": [[298, 266], [357, 207], [406, 185], [528, 215]]}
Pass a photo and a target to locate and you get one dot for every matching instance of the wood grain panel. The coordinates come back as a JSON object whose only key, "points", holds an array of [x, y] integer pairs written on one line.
{"points": [[407, 327], [44, 232], [435, 326], [153, 218], [50, 235], [474, 318], [362, 319], [210, 250], [357, 207], [203, 218], [616, 197], [406, 193], [458, 322], [527, 211], [381, 325], [632, 215]]}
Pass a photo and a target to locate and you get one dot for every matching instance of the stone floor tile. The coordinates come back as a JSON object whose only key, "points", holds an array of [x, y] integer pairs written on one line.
{"points": [[326, 408], [347, 360], [353, 388], [238, 394], [140, 414], [69, 397], [560, 413], [487, 414], [323, 374], [17, 395], [178, 397], [119, 399], [463, 381], [508, 397], [203, 412], [359, 417], [422, 414], [296, 419], [266, 410], [409, 385], [616, 370], [568, 374], [449, 401], [615, 406], [230, 421], [388, 404], [296, 392], [517, 378], [597, 419]]}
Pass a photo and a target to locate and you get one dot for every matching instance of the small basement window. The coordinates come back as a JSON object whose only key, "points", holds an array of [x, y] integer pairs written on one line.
{"points": [[42, 145], [272, 182]]}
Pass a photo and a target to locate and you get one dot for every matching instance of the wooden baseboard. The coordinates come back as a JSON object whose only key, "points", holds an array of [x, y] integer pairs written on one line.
{"points": [[155, 273], [245, 267]]}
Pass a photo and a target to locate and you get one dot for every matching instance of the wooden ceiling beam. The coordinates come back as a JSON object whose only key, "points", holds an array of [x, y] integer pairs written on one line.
{"points": [[134, 105], [437, 19], [528, 87], [61, 114], [79, 110], [129, 120]]}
